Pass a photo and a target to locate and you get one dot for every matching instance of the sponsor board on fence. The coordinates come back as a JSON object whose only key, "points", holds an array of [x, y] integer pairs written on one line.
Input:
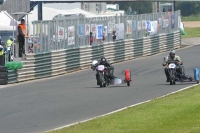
{"points": [[105, 31], [87, 29], [60, 33], [135, 25], [81, 30], [71, 35], [139, 25], [66, 32], [129, 27], [111, 26], [172, 21], [154, 27], [148, 24], [99, 31], [93, 28], [119, 31], [143, 24]]}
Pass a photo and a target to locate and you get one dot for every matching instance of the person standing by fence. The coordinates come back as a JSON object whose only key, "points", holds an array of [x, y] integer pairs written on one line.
{"points": [[21, 37], [8, 47], [114, 36], [91, 38], [9, 42]]}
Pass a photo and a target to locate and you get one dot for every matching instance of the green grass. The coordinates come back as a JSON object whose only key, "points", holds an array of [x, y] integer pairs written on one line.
{"points": [[191, 18], [177, 113], [191, 32]]}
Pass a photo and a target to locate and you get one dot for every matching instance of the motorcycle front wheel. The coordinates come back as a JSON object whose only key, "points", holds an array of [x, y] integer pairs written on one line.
{"points": [[100, 79], [171, 77]]}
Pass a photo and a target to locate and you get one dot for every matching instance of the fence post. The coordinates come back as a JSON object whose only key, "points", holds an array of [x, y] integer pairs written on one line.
{"points": [[25, 47]]}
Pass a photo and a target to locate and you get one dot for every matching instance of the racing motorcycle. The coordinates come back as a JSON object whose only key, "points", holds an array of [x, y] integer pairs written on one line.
{"points": [[102, 79], [101, 70], [173, 74], [103, 75]]}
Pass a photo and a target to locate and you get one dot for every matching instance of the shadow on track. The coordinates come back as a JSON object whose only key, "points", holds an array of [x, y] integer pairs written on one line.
{"points": [[186, 83], [111, 86]]}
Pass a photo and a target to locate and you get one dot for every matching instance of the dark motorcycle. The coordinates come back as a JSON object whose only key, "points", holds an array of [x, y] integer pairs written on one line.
{"points": [[104, 78], [102, 75]]}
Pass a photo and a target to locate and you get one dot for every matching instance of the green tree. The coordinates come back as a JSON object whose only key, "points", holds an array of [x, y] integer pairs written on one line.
{"points": [[1, 2], [188, 8]]}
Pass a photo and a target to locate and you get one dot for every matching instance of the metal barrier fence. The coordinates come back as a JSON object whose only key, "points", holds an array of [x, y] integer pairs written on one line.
{"points": [[74, 33], [59, 62]]}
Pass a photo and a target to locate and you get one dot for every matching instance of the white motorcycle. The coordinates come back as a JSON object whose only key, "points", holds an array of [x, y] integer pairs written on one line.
{"points": [[174, 76]]}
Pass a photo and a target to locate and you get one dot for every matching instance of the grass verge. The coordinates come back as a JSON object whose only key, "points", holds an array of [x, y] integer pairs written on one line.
{"points": [[191, 18], [191, 32], [176, 113]]}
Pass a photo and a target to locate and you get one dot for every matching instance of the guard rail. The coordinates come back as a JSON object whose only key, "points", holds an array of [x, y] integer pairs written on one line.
{"points": [[54, 63]]}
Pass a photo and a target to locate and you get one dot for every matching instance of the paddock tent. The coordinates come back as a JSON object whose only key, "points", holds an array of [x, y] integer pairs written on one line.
{"points": [[111, 13], [6, 25], [50, 13]]}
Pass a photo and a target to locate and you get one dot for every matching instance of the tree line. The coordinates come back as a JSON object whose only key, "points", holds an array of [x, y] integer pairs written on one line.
{"points": [[187, 8]]}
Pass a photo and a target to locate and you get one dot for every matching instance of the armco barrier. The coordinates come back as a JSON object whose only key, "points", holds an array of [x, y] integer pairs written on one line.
{"points": [[60, 62]]}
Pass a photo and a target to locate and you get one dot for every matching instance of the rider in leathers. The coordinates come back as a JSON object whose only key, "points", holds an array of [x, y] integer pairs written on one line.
{"points": [[172, 57]]}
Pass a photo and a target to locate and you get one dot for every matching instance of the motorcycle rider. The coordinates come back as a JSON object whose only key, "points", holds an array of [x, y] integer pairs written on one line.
{"points": [[110, 68], [172, 57]]}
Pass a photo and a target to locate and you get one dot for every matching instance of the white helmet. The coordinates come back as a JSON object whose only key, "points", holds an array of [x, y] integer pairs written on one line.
{"points": [[94, 62]]}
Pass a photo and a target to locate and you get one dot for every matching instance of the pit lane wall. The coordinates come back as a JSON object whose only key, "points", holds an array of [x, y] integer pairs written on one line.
{"points": [[60, 62]]}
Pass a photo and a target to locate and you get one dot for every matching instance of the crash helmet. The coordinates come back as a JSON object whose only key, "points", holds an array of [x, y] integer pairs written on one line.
{"points": [[11, 38], [103, 60], [172, 54], [94, 62], [1, 47]]}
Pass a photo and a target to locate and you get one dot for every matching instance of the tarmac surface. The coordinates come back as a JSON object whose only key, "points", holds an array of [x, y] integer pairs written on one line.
{"points": [[46, 104]]}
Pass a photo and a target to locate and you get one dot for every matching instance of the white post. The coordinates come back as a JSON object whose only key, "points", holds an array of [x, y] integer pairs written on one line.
{"points": [[13, 38], [16, 43], [27, 26], [25, 47], [26, 39]]}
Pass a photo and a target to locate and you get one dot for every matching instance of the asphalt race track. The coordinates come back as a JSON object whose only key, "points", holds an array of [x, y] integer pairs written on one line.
{"points": [[47, 104]]}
